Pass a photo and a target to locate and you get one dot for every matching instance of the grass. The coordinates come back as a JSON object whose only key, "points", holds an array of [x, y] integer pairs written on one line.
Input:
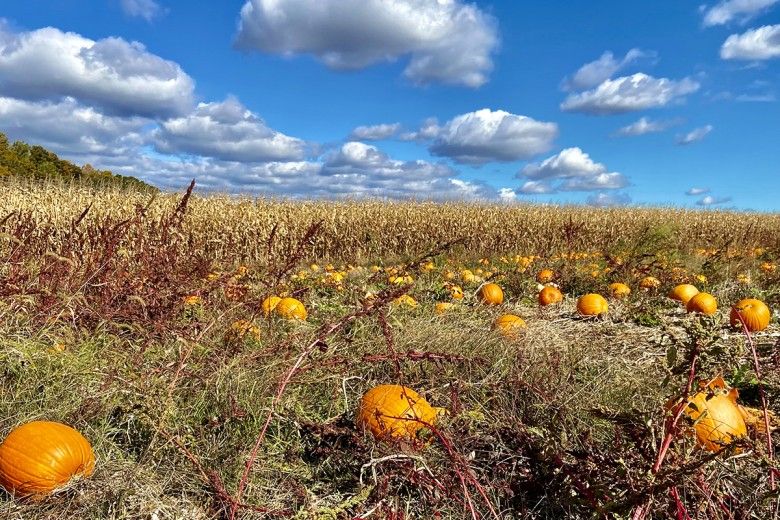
{"points": [[564, 422]]}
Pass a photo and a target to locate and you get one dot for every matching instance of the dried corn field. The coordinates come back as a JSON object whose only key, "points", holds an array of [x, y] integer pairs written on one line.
{"points": [[236, 228]]}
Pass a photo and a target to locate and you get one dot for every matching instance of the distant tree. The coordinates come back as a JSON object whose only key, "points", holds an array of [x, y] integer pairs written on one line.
{"points": [[36, 162]]}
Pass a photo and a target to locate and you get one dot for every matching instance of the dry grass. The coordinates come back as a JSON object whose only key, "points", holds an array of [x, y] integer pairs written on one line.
{"points": [[564, 422]]}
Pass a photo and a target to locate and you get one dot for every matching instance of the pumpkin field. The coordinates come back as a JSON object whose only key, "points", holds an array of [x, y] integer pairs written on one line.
{"points": [[198, 356]]}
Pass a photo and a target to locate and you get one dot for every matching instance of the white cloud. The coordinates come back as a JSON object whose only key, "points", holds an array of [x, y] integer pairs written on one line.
{"points": [[762, 43], [695, 135], [447, 41], [354, 170], [228, 131], [709, 200], [629, 93], [119, 77], [594, 73], [644, 126], [570, 170], [697, 191], [375, 132], [605, 200], [536, 188], [66, 127], [487, 136], [146, 9], [728, 10], [507, 195], [428, 131]]}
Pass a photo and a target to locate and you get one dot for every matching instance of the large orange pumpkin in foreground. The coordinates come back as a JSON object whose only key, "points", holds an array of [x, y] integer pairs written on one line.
{"points": [[592, 305], [395, 411], [550, 295], [755, 313], [703, 303], [683, 293], [718, 419], [509, 325], [491, 294], [41, 456], [291, 309], [619, 290]]}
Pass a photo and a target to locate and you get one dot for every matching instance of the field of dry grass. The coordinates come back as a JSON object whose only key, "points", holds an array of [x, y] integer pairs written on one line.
{"points": [[139, 323]]}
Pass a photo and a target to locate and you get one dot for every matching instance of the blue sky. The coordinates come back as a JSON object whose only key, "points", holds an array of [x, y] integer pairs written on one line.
{"points": [[607, 102]]}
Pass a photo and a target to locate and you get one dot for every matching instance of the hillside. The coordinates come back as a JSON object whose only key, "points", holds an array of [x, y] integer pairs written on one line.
{"points": [[25, 161]]}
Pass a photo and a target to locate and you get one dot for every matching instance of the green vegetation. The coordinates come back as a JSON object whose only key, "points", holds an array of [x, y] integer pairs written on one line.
{"points": [[35, 163]]}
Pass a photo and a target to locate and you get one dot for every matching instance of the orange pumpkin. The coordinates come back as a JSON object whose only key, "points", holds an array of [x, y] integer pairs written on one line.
{"points": [[405, 300], [550, 295], [650, 282], [41, 456], [703, 303], [456, 292], [755, 314], [269, 304], [545, 276], [683, 293], [509, 325], [592, 305], [491, 294], [291, 309], [443, 307], [718, 418], [395, 411], [619, 290]]}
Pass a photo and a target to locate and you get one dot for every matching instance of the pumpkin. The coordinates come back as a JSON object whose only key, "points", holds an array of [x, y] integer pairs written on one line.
{"points": [[269, 304], [509, 325], [619, 290], [550, 295], [703, 303], [650, 282], [291, 309], [592, 305], [395, 411], [545, 276], [755, 314], [491, 294], [407, 300], [41, 456], [443, 307], [717, 418], [456, 292], [683, 293]]}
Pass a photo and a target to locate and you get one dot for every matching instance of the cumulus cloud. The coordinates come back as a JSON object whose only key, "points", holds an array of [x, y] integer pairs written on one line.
{"points": [[119, 77], [594, 73], [629, 93], [354, 170], [507, 195], [697, 191], [446, 40], [66, 127], [146, 9], [375, 132], [709, 200], [487, 136], [427, 132], [762, 43], [728, 10], [605, 200], [570, 170], [227, 131], [694, 136], [644, 126]]}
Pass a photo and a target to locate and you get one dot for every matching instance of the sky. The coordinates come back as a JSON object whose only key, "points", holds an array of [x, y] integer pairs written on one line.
{"points": [[669, 102]]}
